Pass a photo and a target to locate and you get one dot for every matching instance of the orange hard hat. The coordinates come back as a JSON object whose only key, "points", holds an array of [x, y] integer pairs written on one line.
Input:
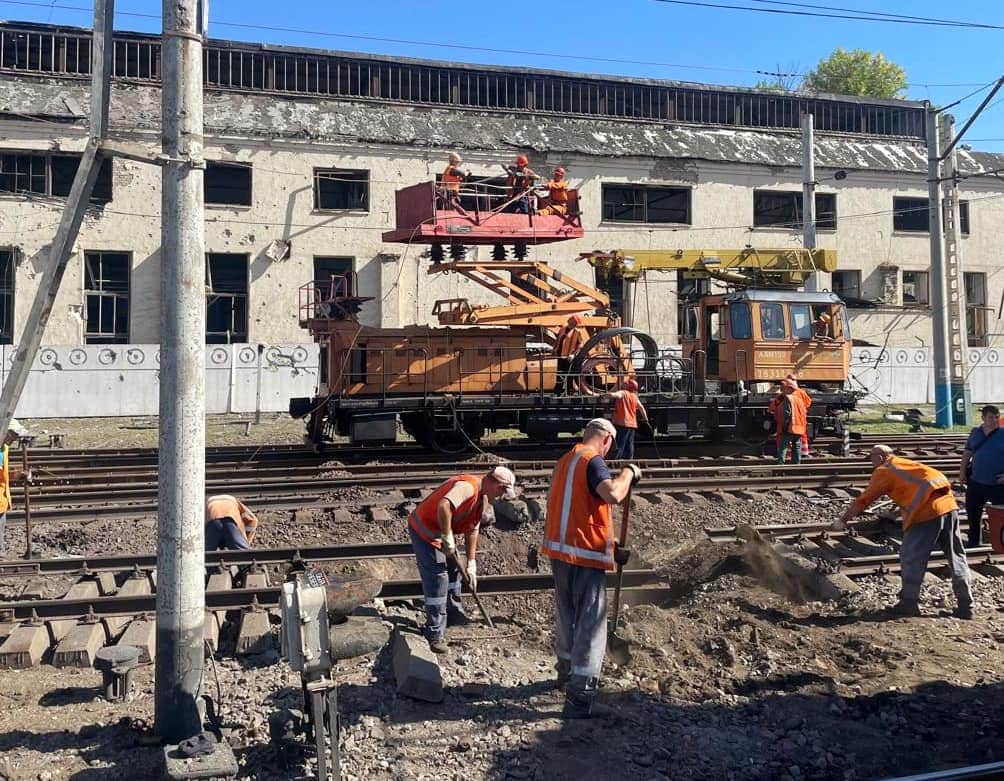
{"points": [[630, 384], [825, 317], [575, 320], [522, 160]]}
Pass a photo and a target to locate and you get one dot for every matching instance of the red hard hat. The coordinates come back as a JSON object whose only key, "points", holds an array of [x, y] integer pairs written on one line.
{"points": [[575, 319], [630, 384], [522, 160]]}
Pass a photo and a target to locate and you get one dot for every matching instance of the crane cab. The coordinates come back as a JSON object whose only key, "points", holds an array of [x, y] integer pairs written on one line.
{"points": [[752, 338]]}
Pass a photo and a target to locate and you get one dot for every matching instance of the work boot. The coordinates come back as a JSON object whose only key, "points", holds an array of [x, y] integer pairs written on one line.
{"points": [[564, 669], [580, 699], [904, 608], [965, 612], [438, 646]]}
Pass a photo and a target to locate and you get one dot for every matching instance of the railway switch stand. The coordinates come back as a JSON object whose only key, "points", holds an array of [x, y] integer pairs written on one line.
{"points": [[116, 663]]}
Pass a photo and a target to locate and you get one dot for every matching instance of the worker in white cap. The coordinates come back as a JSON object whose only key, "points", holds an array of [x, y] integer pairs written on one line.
{"points": [[579, 541], [14, 431], [457, 507]]}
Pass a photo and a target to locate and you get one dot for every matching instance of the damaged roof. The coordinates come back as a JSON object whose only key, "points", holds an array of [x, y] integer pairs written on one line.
{"points": [[230, 114]]}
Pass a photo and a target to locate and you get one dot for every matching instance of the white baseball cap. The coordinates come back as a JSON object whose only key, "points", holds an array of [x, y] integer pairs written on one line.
{"points": [[504, 476], [603, 425], [17, 428]]}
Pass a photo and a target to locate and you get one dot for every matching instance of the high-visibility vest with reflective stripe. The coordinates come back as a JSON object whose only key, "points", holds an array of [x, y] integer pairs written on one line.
{"points": [[450, 180], [922, 492], [578, 529], [425, 518], [5, 500]]}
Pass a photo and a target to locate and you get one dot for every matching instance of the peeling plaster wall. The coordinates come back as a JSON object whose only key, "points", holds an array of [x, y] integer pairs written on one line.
{"points": [[286, 139]]}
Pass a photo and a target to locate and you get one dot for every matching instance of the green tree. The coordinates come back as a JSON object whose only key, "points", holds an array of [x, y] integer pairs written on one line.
{"points": [[857, 72]]}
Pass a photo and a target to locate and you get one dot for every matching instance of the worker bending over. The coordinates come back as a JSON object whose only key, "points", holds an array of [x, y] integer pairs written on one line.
{"points": [[788, 410], [627, 410], [556, 201], [930, 517], [579, 540], [456, 507], [230, 525]]}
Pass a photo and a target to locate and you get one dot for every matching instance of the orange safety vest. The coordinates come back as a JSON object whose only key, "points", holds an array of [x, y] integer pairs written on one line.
{"points": [[798, 416], [570, 342], [922, 492], [425, 518], [578, 529], [626, 409], [450, 180], [557, 191], [226, 506], [5, 500]]}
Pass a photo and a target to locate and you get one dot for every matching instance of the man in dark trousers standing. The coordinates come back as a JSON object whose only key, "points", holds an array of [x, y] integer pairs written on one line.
{"points": [[981, 470]]}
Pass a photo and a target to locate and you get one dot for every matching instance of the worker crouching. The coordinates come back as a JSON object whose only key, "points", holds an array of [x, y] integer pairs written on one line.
{"points": [[930, 517], [579, 541], [230, 525], [457, 507]]}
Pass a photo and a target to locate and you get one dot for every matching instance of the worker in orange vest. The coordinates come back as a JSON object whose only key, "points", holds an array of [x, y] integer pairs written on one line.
{"points": [[456, 507], [520, 181], [14, 431], [789, 421], [930, 517], [579, 541], [230, 525], [568, 341], [556, 201], [627, 410], [451, 180], [807, 402]]}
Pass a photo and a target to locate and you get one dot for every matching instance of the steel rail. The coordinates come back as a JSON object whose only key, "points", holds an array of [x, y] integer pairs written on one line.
{"points": [[250, 598]]}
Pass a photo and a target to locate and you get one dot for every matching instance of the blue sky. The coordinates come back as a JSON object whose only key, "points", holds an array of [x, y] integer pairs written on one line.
{"points": [[629, 37]]}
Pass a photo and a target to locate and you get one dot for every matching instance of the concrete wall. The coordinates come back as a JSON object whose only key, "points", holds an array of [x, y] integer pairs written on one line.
{"points": [[905, 375], [121, 380]]}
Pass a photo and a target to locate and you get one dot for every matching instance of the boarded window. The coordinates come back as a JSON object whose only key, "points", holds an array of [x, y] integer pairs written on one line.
{"points": [[337, 189], [227, 184], [916, 291], [637, 203], [106, 294], [226, 298], [8, 264], [783, 209]]}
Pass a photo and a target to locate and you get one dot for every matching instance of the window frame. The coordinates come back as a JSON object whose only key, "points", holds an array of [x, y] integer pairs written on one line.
{"points": [[822, 224], [322, 174], [214, 296], [117, 299], [747, 331], [228, 164], [48, 184], [842, 291], [903, 212], [977, 331], [645, 190], [781, 319], [919, 301], [796, 333], [8, 293]]}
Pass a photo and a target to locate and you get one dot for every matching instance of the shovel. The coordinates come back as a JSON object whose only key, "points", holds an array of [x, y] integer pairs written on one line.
{"points": [[617, 647], [466, 579]]}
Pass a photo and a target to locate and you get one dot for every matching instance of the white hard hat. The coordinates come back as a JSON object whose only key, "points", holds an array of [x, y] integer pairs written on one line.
{"points": [[503, 475]]}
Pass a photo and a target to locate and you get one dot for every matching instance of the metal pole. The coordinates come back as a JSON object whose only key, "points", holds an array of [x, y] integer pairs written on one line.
{"points": [[73, 214], [939, 301], [181, 522], [809, 194], [27, 501]]}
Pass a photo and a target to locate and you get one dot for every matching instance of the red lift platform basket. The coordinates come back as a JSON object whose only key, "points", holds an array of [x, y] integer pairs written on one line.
{"points": [[425, 217]]}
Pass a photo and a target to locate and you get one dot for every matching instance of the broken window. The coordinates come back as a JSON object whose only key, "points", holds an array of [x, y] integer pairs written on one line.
{"points": [[326, 267], [338, 189], [784, 209], [106, 297], [637, 203], [910, 214], [45, 174], [226, 298], [976, 308], [8, 264], [227, 184], [915, 288], [847, 284]]}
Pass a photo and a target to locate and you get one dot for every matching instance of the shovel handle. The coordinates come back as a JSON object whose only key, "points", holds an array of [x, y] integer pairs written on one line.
{"points": [[625, 512]]}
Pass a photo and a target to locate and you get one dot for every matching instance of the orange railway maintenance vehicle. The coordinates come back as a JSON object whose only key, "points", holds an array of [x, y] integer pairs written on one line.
{"points": [[510, 367]]}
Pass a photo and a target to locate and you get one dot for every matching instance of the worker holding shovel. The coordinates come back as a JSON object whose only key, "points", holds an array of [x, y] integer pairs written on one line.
{"points": [[579, 540]]}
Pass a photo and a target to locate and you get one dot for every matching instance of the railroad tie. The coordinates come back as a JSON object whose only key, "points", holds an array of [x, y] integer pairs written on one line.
{"points": [[141, 630], [79, 646], [221, 579], [25, 646], [86, 588]]}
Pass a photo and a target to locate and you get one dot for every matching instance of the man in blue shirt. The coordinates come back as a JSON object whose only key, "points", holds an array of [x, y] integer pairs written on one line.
{"points": [[984, 452]]}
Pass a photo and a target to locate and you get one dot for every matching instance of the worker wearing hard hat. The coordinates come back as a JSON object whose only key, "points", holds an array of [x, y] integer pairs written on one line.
{"points": [[568, 341], [14, 431], [930, 518], [457, 507], [451, 180], [230, 525], [790, 421], [520, 183], [806, 402], [628, 409], [556, 201], [821, 326]]}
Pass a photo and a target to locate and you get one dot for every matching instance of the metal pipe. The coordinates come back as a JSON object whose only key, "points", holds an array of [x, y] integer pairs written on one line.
{"points": [[181, 526], [27, 501]]}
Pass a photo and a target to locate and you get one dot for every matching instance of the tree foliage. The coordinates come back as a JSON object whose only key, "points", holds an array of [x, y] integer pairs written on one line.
{"points": [[856, 72]]}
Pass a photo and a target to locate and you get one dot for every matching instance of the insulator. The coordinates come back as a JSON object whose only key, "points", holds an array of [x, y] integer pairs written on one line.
{"points": [[520, 250], [498, 252], [458, 252], [436, 253]]}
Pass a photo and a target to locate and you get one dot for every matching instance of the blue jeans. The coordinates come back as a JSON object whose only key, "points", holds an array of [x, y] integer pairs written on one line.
{"points": [[223, 533], [795, 442], [440, 585], [625, 442], [3, 530]]}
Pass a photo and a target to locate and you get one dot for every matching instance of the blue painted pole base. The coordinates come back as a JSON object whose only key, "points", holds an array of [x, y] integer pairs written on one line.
{"points": [[942, 405]]}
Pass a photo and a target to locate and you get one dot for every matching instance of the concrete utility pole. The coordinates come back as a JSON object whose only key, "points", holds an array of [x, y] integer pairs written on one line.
{"points": [[939, 300], [73, 213], [182, 466], [809, 194], [958, 337]]}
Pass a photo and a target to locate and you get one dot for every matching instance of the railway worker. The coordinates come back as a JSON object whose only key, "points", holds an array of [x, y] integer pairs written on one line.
{"points": [[230, 525], [14, 431], [788, 410], [627, 411], [807, 401], [579, 541], [556, 201], [821, 326], [569, 341], [456, 507], [451, 180], [981, 470], [930, 517], [520, 183]]}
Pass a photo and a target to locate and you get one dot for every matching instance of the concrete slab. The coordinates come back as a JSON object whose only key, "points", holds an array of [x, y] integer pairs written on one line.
{"points": [[255, 634], [24, 647], [5, 629], [82, 589], [77, 649], [141, 633], [416, 667], [133, 587], [220, 764]]}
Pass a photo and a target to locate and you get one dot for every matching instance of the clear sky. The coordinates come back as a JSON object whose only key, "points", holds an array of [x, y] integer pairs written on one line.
{"points": [[665, 39]]}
